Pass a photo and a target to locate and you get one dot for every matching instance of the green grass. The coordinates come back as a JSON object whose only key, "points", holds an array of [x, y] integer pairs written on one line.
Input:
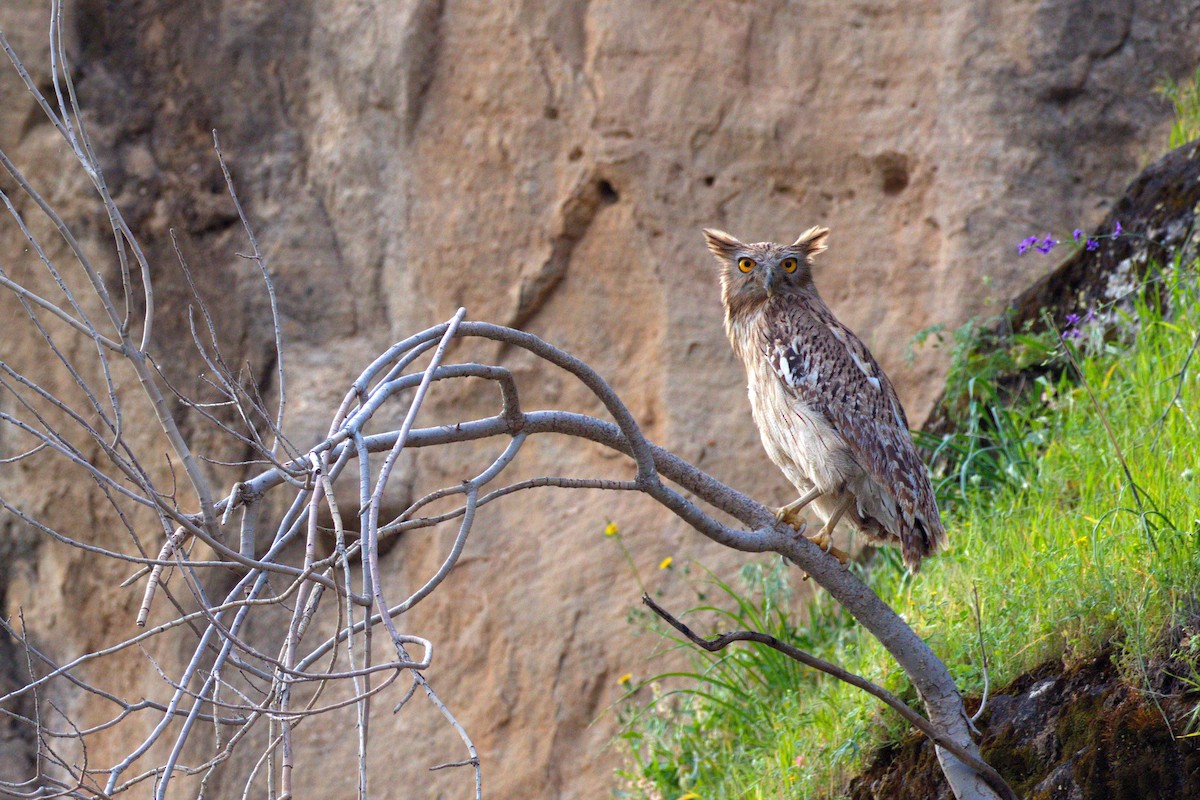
{"points": [[1066, 555], [1185, 98]]}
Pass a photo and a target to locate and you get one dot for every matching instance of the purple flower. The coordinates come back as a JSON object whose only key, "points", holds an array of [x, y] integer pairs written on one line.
{"points": [[1117, 229], [1072, 333], [1025, 244], [1092, 244], [1090, 315], [1047, 245], [1078, 234], [1072, 320]]}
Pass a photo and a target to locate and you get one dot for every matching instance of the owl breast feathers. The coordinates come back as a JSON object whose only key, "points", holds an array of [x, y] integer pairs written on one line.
{"points": [[828, 415]]}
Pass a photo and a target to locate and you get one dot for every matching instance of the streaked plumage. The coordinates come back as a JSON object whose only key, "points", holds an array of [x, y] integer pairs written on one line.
{"points": [[828, 415]]}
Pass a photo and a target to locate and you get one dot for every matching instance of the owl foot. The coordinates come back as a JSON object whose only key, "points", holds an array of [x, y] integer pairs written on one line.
{"points": [[824, 540], [791, 512], [792, 518]]}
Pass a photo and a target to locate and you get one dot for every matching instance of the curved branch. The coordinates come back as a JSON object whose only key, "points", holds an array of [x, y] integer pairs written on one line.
{"points": [[639, 445]]}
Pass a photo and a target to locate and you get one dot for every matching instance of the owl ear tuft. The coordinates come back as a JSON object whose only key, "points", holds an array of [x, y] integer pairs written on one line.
{"points": [[721, 244], [812, 241]]}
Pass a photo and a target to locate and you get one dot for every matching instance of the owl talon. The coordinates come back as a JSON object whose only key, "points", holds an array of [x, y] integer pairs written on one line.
{"points": [[841, 555], [789, 515], [824, 540]]}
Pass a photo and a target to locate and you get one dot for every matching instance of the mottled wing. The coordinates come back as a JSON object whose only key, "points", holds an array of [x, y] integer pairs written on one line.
{"points": [[825, 366]]}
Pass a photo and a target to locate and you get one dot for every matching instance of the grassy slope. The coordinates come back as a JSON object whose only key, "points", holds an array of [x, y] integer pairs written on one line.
{"points": [[1063, 553]]}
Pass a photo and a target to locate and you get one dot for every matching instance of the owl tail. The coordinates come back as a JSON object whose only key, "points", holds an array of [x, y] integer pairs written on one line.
{"points": [[922, 539]]}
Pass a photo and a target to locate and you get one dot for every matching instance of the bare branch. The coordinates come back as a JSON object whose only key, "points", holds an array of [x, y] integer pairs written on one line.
{"points": [[266, 276]]}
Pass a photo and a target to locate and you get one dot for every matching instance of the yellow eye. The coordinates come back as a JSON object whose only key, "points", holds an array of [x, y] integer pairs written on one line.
{"points": [[745, 264], [788, 264]]}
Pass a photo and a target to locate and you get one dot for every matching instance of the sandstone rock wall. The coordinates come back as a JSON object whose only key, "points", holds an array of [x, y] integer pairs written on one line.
{"points": [[548, 165]]}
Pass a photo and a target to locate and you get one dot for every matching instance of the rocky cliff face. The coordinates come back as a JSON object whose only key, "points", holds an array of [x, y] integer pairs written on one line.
{"points": [[548, 165]]}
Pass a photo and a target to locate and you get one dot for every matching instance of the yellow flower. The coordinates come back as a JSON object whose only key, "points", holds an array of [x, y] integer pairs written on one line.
{"points": [[688, 796], [611, 529], [625, 679], [666, 563]]}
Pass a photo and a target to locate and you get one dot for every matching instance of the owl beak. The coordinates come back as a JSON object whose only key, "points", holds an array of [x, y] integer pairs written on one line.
{"points": [[769, 281]]}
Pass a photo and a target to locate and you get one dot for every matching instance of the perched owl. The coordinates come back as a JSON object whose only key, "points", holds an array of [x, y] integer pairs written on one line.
{"points": [[828, 416]]}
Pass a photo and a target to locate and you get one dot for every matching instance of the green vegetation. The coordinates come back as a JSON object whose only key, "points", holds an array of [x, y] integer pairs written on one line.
{"points": [[1186, 99], [1072, 510]]}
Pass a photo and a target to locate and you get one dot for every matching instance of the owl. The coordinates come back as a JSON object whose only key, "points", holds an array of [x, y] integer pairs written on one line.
{"points": [[828, 416]]}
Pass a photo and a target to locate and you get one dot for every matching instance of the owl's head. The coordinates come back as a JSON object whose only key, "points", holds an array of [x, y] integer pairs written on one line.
{"points": [[753, 273]]}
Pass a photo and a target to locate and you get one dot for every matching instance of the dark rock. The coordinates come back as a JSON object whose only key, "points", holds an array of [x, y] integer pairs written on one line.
{"points": [[1061, 734], [1158, 214]]}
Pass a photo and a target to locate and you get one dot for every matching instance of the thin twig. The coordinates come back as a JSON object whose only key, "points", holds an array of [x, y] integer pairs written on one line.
{"points": [[257, 257], [982, 654], [168, 550], [470, 762]]}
